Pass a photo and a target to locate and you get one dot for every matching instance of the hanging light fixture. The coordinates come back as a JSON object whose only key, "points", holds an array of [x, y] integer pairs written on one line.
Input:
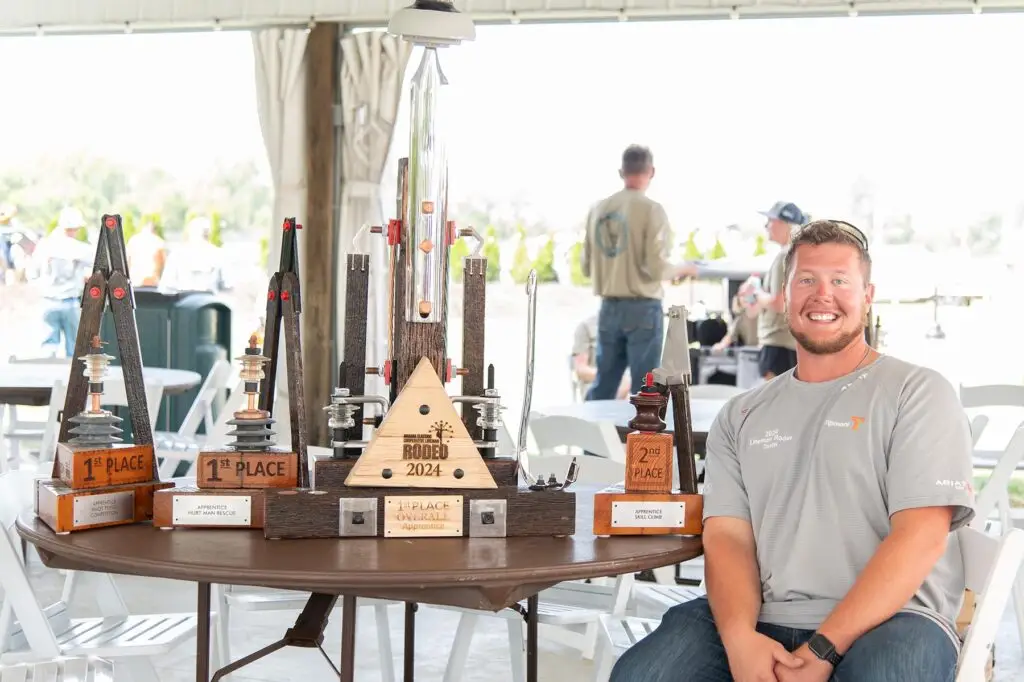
{"points": [[432, 23]]}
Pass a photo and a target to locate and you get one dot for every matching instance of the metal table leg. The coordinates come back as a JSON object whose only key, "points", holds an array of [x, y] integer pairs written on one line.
{"points": [[348, 639], [532, 605], [410, 641], [203, 633]]}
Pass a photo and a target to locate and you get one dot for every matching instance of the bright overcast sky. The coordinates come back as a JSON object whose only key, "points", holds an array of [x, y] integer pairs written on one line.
{"points": [[738, 113]]}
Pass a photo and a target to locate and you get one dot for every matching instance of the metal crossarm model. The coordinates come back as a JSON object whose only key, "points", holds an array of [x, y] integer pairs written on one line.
{"points": [[284, 303]]}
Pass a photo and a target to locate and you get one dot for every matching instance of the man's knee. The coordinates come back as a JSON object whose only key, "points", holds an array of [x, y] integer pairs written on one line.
{"points": [[908, 647], [686, 633]]}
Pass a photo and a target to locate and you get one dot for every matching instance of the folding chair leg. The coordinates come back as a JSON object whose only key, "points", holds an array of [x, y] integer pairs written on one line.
{"points": [[222, 637], [460, 648], [604, 658], [1018, 604], [387, 659], [517, 648]]}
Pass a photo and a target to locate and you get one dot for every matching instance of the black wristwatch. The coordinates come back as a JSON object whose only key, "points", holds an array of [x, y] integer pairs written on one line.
{"points": [[821, 647]]}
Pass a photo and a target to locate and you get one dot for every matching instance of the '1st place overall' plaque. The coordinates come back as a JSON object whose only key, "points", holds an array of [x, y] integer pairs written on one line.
{"points": [[422, 516]]}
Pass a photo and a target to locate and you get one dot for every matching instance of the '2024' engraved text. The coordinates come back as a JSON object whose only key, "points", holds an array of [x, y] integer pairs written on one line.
{"points": [[423, 447]]}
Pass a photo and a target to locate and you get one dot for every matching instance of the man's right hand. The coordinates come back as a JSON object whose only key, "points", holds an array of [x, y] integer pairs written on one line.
{"points": [[752, 657]]}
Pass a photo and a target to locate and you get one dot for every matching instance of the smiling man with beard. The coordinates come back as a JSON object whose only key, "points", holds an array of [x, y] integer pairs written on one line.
{"points": [[831, 493]]}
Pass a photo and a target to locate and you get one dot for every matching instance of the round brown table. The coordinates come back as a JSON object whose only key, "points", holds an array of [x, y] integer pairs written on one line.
{"points": [[30, 383], [478, 573], [703, 412]]}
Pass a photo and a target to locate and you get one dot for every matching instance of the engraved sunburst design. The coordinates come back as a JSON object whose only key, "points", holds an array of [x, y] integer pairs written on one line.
{"points": [[442, 430]]}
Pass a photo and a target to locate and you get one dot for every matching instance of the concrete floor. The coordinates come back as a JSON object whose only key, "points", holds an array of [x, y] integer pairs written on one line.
{"points": [[488, 659]]}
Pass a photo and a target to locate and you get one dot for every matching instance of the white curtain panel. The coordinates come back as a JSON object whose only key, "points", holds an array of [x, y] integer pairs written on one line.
{"points": [[373, 67], [281, 97]]}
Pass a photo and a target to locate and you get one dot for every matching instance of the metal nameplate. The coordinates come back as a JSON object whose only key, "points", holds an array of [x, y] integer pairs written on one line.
{"points": [[648, 514], [104, 508], [211, 510], [487, 518], [422, 516], [357, 516]]}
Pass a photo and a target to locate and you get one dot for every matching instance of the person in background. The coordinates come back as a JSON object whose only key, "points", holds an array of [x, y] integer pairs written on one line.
{"points": [[742, 328], [147, 253], [7, 226], [778, 347], [196, 265], [64, 264], [626, 255], [584, 352]]}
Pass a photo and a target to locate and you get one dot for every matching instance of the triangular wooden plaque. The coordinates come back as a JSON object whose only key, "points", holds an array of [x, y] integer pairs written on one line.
{"points": [[422, 442]]}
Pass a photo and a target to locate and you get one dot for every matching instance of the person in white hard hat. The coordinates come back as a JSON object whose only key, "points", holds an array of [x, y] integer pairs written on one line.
{"points": [[195, 265], [64, 264]]}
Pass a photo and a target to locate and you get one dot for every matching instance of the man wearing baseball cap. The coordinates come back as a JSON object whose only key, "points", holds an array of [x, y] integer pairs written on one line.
{"points": [[778, 347]]}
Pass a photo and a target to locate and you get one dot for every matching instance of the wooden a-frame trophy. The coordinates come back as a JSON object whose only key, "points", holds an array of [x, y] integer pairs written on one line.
{"points": [[97, 480], [232, 479]]}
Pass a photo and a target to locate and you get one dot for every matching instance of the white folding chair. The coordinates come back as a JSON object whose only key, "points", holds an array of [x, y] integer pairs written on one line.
{"points": [[552, 432], [991, 405], [43, 634], [200, 412]]}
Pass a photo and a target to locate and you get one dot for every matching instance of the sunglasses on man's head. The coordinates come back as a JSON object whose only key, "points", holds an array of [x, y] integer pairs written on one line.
{"points": [[853, 231]]}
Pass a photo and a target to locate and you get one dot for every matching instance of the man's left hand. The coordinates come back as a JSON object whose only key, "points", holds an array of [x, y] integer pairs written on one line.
{"points": [[813, 670]]}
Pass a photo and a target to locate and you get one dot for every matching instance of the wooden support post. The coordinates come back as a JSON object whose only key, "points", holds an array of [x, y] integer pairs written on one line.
{"points": [[357, 292], [474, 278], [322, 83]]}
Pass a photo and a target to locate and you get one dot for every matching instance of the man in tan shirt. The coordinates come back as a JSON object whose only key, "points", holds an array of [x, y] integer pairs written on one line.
{"points": [[626, 254], [778, 347]]}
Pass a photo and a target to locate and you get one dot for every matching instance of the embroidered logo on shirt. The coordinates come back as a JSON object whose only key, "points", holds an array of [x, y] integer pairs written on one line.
{"points": [[853, 424], [771, 439], [955, 485]]}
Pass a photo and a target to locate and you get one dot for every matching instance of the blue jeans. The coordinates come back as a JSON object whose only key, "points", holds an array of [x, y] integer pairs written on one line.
{"points": [[63, 318], [686, 648], [630, 333]]}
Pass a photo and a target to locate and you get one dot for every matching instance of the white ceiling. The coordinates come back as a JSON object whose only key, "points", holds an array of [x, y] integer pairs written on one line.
{"points": [[74, 16]]}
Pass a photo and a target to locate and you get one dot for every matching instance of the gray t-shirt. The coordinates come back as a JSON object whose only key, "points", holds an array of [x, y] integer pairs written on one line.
{"points": [[818, 469]]}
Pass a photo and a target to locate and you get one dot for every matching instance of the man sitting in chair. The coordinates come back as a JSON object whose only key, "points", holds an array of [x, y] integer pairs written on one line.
{"points": [[584, 361], [830, 496]]}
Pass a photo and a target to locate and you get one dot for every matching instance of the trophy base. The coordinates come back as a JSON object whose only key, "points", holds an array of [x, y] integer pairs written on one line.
{"points": [[89, 467], [192, 507], [419, 512], [330, 473], [66, 510], [234, 469], [617, 512]]}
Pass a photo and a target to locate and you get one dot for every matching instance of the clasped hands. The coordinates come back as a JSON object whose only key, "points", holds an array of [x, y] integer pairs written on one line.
{"points": [[754, 657]]}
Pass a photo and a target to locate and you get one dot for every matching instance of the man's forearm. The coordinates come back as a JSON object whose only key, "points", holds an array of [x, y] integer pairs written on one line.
{"points": [[890, 579], [733, 583]]}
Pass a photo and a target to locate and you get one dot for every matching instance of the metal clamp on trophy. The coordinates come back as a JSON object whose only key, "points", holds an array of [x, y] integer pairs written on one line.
{"points": [[231, 482], [647, 503], [101, 481], [428, 470]]}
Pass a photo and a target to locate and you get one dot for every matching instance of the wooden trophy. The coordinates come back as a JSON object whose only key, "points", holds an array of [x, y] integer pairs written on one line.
{"points": [[646, 503], [427, 470], [231, 481], [101, 481]]}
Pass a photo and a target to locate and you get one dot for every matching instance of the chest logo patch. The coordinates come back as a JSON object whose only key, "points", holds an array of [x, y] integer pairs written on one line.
{"points": [[853, 423], [771, 439]]}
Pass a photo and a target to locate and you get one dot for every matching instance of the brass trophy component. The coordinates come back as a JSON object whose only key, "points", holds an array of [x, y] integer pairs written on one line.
{"points": [[95, 427], [252, 425]]}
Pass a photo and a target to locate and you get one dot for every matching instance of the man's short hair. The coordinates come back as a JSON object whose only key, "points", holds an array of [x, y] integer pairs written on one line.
{"points": [[636, 160], [819, 232]]}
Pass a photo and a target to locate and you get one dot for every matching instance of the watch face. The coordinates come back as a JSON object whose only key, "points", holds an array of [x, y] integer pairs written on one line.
{"points": [[821, 647]]}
